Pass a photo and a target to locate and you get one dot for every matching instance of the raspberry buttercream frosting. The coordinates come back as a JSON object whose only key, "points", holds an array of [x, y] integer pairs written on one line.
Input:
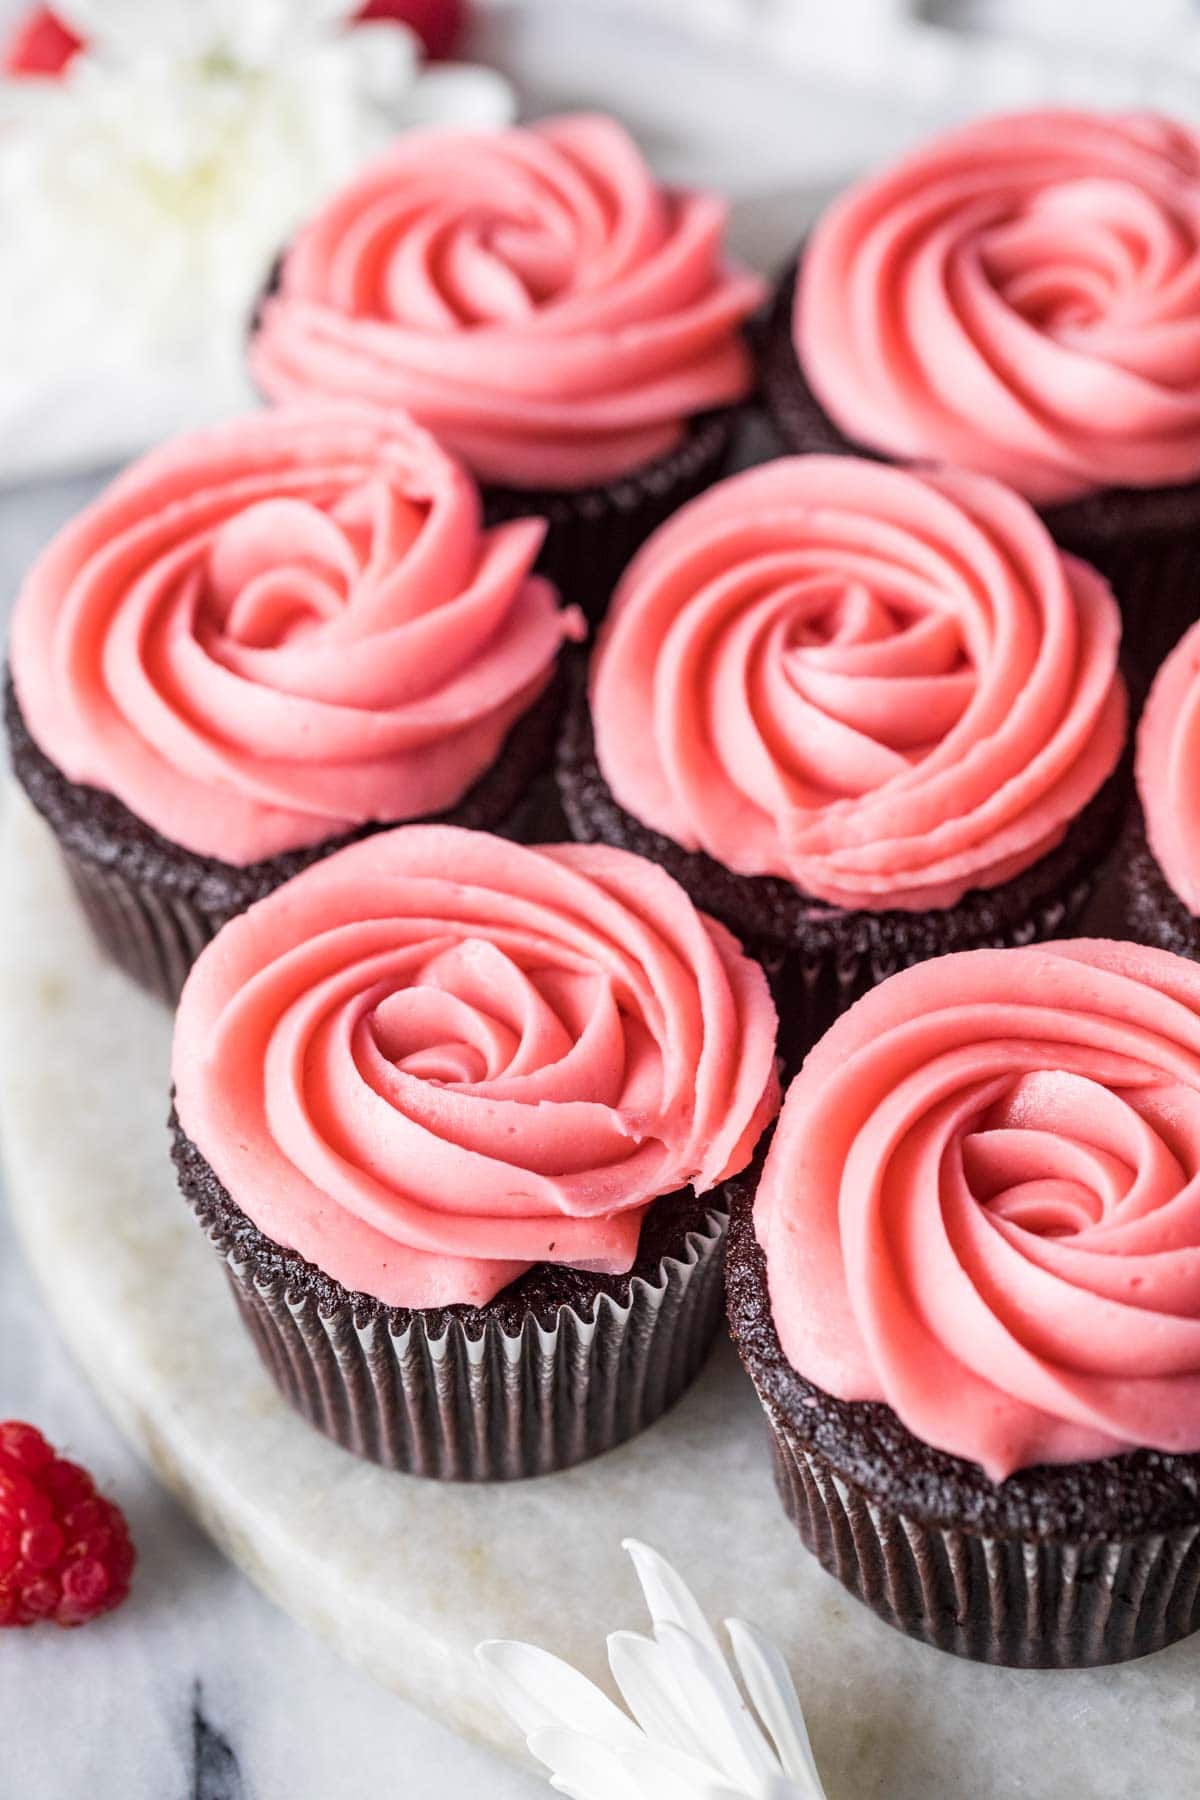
{"points": [[1168, 769], [1019, 296], [532, 295], [437, 1058], [277, 630], [887, 687], [982, 1204]]}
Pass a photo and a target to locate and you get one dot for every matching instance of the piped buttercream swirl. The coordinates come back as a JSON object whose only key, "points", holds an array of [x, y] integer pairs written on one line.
{"points": [[437, 1057], [1019, 296], [532, 295], [888, 688], [274, 631], [982, 1204]]}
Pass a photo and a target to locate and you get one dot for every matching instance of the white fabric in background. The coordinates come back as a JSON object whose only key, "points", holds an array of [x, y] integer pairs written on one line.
{"points": [[76, 394]]}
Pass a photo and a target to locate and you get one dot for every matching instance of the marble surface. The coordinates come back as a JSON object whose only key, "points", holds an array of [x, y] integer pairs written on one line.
{"points": [[201, 1687], [404, 1576]]}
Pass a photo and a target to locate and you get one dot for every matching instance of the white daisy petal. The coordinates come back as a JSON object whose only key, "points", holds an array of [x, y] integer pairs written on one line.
{"points": [[773, 1694], [539, 1691], [722, 1722], [669, 1598], [695, 1737], [664, 1774], [584, 1767], [642, 1671]]}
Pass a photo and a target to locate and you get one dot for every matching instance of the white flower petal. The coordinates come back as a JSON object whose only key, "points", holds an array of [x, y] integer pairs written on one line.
{"points": [[310, 16], [642, 1671], [186, 144], [111, 26], [460, 94], [782, 1787], [383, 61], [668, 1596], [583, 1767], [695, 1737], [724, 1727], [663, 1774], [773, 1693], [539, 1691]]}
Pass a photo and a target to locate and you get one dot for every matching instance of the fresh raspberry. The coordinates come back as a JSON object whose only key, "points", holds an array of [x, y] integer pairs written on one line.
{"points": [[40, 44], [438, 23], [65, 1551]]}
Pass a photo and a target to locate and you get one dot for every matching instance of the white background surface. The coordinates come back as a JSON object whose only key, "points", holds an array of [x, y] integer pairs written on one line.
{"points": [[108, 1713]]}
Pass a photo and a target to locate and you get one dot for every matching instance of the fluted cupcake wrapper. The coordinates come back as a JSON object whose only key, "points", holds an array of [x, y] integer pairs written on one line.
{"points": [[594, 532], [153, 906], [495, 1406], [1060, 1566], [153, 934], [1027, 1603]]}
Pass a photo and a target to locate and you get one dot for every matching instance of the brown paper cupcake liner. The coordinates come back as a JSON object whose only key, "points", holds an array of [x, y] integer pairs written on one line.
{"points": [[496, 1393], [153, 906], [151, 933], [594, 532], [998, 1600], [1058, 1567], [1144, 541], [820, 959]]}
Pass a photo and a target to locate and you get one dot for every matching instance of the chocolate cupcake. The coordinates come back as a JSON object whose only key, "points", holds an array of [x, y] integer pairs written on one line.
{"points": [[568, 327], [261, 641], [1161, 864], [1021, 296], [456, 1114], [864, 716], [967, 1291]]}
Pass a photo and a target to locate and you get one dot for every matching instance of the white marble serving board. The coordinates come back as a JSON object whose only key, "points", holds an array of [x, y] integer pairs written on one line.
{"points": [[405, 1576]]}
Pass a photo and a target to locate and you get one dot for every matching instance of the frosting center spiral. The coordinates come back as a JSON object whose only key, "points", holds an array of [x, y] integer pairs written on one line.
{"points": [[888, 688], [269, 633], [436, 1058], [982, 1204]]}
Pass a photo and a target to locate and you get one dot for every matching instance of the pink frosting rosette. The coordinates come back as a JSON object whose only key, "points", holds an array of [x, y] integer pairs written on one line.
{"points": [[1019, 296], [271, 632], [531, 295], [982, 1204], [886, 687], [437, 1058], [1168, 767]]}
